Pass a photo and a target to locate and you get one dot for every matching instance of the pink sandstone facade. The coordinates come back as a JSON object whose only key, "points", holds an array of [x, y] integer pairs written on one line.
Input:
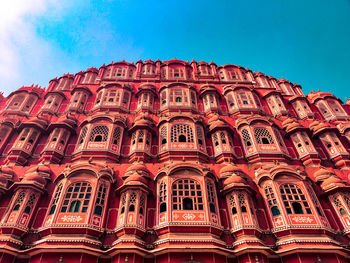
{"points": [[173, 162]]}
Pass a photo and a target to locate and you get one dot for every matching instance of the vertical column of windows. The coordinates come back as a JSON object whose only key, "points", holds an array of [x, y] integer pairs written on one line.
{"points": [[162, 197], [55, 199], [100, 199], [271, 201], [211, 197]]}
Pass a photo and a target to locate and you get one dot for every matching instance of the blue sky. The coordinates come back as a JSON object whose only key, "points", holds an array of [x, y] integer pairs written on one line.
{"points": [[305, 41]]}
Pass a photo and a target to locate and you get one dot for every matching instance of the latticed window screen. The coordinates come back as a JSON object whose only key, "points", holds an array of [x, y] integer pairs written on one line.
{"points": [[263, 136], [142, 204], [230, 100], [200, 137], [64, 137], [30, 203], [132, 202], [246, 138], [140, 138], [181, 133], [77, 198], [29, 103], [16, 101], [339, 205], [108, 72], [101, 195], [223, 138], [211, 197], [278, 137], [55, 134], [271, 200], [19, 201], [315, 200], [55, 198], [163, 134], [99, 134], [322, 107], [126, 97], [123, 203], [162, 197], [193, 97], [215, 139], [294, 200], [187, 195], [100, 199], [33, 137], [116, 135], [334, 106], [233, 204], [244, 98], [82, 135], [347, 199], [242, 202]]}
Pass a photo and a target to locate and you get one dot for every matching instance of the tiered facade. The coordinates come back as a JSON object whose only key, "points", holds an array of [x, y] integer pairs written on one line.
{"points": [[173, 162]]}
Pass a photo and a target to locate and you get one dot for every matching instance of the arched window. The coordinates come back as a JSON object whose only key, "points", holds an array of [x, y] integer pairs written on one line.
{"points": [[272, 201], [263, 136], [233, 206], [77, 198], [16, 101], [30, 203], [55, 198], [19, 201], [141, 204], [162, 197], [294, 200], [122, 204], [99, 134], [211, 197], [181, 133], [339, 206], [187, 194], [132, 202], [242, 202]]}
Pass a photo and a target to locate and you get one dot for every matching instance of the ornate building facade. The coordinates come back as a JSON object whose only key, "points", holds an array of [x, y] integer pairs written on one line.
{"points": [[173, 162]]}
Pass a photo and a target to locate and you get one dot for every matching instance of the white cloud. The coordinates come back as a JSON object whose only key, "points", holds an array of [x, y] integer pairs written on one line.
{"points": [[22, 51]]}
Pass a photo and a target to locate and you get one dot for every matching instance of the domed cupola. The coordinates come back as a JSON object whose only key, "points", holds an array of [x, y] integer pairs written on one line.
{"points": [[133, 200], [142, 133], [221, 135], [237, 191], [61, 131], [301, 140], [328, 135], [26, 196], [27, 140]]}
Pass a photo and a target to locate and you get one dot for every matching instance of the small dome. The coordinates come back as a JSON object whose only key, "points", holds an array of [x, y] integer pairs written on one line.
{"points": [[332, 182], [7, 172], [34, 178], [136, 167], [135, 179], [43, 170], [228, 170], [290, 124], [322, 173], [3, 182]]}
